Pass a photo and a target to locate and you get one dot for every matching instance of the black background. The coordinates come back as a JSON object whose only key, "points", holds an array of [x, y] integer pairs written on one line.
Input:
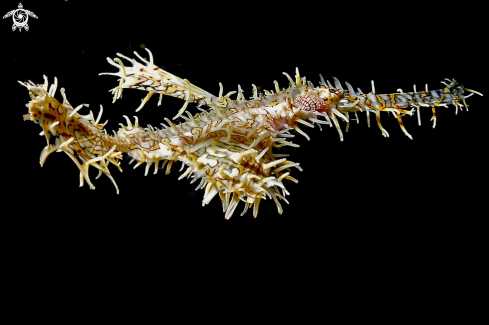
{"points": [[367, 193]]}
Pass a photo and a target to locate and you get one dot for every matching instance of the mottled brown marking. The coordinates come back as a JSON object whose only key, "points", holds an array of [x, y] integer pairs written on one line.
{"points": [[308, 103]]}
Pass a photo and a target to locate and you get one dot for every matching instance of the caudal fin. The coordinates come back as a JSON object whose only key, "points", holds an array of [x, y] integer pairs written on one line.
{"points": [[82, 138]]}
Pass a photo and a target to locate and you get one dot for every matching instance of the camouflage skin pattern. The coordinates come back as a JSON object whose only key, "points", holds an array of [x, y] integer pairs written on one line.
{"points": [[228, 148]]}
